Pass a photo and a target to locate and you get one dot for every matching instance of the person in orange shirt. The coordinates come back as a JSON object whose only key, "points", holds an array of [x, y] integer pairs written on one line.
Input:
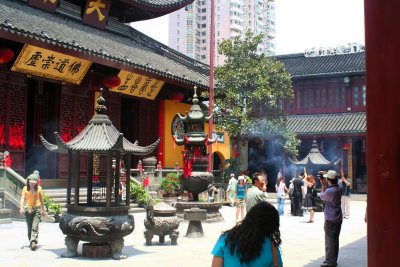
{"points": [[33, 206]]}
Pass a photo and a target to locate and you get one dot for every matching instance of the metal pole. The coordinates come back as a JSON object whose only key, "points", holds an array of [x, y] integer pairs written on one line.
{"points": [[211, 92]]}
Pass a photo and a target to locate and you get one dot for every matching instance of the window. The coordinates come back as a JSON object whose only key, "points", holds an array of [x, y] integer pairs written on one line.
{"points": [[318, 99], [356, 96], [311, 100], [364, 96], [298, 100], [305, 98], [337, 97], [323, 98], [330, 100], [343, 97]]}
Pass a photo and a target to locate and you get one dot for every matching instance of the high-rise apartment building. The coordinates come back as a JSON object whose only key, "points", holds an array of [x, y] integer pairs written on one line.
{"points": [[189, 28]]}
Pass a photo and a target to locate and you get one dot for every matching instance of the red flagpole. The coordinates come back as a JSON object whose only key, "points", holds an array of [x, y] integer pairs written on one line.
{"points": [[211, 92]]}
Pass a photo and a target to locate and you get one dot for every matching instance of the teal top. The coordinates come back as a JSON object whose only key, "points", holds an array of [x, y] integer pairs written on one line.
{"points": [[241, 191], [265, 259]]}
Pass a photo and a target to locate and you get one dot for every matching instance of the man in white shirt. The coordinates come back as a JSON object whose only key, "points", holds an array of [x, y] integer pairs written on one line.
{"points": [[230, 191]]}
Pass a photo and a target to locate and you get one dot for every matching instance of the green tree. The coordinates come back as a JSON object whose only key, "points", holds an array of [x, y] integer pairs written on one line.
{"points": [[249, 87]]}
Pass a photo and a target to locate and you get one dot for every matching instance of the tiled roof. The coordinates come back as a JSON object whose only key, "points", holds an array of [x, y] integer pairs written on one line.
{"points": [[150, 9], [119, 44], [338, 123], [100, 136], [159, 4], [300, 66], [314, 157]]}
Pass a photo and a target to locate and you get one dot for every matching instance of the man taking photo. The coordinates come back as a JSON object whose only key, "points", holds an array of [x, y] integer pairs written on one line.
{"points": [[333, 216]]}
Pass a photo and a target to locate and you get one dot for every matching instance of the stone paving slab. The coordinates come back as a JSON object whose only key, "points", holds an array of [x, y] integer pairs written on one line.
{"points": [[303, 244]]}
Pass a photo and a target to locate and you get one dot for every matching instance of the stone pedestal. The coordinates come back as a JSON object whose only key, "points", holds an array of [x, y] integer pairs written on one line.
{"points": [[149, 165], [195, 216], [212, 208]]}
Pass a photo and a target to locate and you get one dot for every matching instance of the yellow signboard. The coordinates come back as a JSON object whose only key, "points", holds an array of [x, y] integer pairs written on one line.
{"points": [[49, 64], [137, 85]]}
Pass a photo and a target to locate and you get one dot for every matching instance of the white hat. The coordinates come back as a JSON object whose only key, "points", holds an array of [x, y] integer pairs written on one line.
{"points": [[330, 174], [241, 178], [232, 175]]}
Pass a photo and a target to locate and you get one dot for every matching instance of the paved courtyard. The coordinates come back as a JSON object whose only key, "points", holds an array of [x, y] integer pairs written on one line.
{"points": [[303, 244]]}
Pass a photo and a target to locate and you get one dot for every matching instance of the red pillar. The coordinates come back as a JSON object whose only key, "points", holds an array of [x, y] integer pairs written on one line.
{"points": [[382, 24], [161, 130], [211, 91]]}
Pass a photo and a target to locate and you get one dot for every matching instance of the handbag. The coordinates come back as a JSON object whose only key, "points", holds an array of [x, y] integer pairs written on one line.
{"points": [[274, 255]]}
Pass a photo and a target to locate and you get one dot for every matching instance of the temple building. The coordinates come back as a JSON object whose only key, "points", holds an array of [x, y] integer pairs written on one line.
{"points": [[329, 106], [56, 55]]}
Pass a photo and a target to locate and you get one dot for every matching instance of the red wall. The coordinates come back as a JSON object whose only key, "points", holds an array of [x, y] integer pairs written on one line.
{"points": [[383, 135]]}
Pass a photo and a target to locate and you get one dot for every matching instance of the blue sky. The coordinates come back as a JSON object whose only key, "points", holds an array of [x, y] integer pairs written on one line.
{"points": [[300, 24]]}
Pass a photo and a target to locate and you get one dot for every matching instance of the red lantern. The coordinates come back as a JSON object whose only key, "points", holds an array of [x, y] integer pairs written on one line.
{"points": [[111, 81], [346, 146], [6, 54], [176, 96]]}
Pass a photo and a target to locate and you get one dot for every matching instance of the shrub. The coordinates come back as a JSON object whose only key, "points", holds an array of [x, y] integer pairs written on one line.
{"points": [[170, 183], [51, 206], [139, 194]]}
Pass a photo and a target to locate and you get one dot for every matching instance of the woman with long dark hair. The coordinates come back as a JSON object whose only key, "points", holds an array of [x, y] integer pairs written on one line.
{"points": [[254, 242], [33, 206], [309, 200]]}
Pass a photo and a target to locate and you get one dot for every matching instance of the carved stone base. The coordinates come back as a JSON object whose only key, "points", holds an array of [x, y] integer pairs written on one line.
{"points": [[93, 250], [99, 230]]}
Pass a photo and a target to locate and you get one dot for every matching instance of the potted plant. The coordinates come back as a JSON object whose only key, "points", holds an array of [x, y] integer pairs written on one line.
{"points": [[170, 185], [53, 209]]}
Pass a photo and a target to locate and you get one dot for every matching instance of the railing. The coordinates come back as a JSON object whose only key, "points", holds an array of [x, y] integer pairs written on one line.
{"points": [[135, 175], [12, 183]]}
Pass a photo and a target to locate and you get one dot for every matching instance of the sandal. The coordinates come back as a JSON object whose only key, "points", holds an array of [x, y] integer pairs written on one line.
{"points": [[310, 221]]}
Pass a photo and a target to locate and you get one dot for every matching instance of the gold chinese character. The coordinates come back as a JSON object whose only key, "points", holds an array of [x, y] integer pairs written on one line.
{"points": [[95, 6], [32, 60], [51, 1], [61, 65]]}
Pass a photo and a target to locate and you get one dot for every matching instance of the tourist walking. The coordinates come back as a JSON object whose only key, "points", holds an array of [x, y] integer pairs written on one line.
{"points": [[346, 185], [333, 216], [281, 191], [240, 195], [298, 189], [230, 191], [32, 206], [252, 243], [309, 199], [257, 193]]}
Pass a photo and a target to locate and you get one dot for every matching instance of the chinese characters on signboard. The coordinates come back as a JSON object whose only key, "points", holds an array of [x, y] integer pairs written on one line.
{"points": [[96, 13], [138, 85], [48, 5], [49, 64]]}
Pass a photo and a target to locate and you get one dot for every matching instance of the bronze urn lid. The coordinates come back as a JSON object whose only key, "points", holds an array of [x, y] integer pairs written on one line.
{"points": [[163, 209]]}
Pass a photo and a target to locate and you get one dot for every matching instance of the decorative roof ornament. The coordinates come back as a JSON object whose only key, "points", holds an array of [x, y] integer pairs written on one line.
{"points": [[338, 50], [101, 108]]}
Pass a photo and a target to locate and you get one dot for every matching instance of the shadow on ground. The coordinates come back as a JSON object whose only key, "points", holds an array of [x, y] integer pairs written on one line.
{"points": [[349, 255]]}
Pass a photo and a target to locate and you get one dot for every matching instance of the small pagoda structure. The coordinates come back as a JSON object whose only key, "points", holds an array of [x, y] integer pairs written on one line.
{"points": [[315, 161], [195, 179], [103, 219]]}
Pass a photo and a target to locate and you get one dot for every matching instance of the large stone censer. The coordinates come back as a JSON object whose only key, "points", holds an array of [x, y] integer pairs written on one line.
{"points": [[195, 179], [103, 219]]}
